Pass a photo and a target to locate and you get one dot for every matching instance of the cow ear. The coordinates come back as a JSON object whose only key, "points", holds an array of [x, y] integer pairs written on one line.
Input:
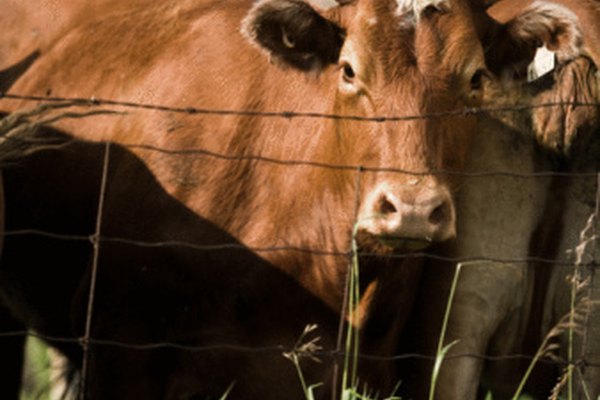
{"points": [[294, 34], [513, 45], [568, 130]]}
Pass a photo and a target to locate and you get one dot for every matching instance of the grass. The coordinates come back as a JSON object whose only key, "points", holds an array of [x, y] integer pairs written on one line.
{"points": [[350, 389], [38, 366], [571, 324], [350, 384], [36, 374], [442, 350]]}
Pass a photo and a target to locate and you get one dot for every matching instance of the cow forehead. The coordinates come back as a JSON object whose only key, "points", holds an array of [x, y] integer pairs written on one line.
{"points": [[387, 33], [399, 16]]}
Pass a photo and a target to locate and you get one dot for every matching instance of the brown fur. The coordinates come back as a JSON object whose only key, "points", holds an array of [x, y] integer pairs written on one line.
{"points": [[586, 12], [502, 309], [193, 53]]}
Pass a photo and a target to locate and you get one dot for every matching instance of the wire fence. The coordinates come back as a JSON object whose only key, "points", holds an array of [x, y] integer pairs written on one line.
{"points": [[93, 101], [94, 106], [278, 248], [279, 349]]}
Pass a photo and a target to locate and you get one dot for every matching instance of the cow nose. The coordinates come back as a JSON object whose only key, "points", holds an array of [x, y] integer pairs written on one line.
{"points": [[400, 214]]}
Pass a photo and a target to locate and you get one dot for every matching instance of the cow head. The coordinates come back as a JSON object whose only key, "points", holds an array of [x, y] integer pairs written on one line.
{"points": [[383, 58], [517, 31], [512, 36], [569, 131]]}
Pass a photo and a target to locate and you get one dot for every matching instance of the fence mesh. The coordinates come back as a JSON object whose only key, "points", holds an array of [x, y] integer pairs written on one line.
{"points": [[53, 109]]}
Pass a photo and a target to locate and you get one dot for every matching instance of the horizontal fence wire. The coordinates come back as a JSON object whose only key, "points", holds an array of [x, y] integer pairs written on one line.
{"points": [[93, 101], [71, 102], [337, 353], [279, 248], [278, 349], [340, 167]]}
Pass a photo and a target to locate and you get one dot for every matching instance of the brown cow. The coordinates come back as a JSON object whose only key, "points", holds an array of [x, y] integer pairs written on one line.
{"points": [[503, 308], [247, 182], [574, 132], [35, 24]]}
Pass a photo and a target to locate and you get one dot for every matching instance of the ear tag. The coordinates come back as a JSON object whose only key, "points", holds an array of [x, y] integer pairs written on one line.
{"points": [[543, 62]]}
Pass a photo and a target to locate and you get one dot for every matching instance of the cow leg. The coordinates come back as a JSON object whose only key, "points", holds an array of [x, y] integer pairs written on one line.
{"points": [[478, 311], [496, 216], [12, 349], [483, 303]]}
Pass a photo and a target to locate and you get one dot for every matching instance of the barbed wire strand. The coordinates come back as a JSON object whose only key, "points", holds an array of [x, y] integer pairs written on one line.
{"points": [[339, 167], [93, 101], [315, 164], [364, 169]]}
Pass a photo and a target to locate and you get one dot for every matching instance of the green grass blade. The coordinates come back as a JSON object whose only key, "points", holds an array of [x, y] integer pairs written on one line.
{"points": [[226, 394], [442, 350]]}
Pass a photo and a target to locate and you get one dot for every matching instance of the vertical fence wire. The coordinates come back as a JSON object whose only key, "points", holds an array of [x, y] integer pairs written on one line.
{"points": [[85, 340]]}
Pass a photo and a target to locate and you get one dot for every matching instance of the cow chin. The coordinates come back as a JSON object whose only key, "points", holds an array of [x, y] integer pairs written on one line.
{"points": [[387, 245]]}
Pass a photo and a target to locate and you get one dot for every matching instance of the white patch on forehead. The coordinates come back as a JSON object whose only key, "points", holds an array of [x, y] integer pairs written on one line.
{"points": [[417, 6]]}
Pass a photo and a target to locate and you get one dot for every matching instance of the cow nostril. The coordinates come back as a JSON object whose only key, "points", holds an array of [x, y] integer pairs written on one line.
{"points": [[385, 206], [439, 214]]}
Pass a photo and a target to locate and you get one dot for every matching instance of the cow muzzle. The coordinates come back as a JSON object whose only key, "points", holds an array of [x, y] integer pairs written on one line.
{"points": [[408, 218]]}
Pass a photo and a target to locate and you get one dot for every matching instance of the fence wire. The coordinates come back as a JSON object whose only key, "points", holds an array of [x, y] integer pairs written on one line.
{"points": [[280, 349], [96, 239], [93, 101], [281, 248]]}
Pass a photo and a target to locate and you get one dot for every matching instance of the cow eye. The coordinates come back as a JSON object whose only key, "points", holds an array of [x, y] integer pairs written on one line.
{"points": [[436, 8], [477, 79], [348, 72]]}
